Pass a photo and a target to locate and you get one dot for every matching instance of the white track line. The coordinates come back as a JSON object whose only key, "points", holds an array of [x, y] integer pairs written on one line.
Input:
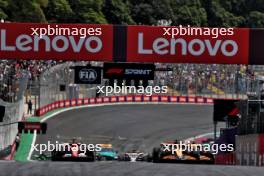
{"points": [[32, 144]]}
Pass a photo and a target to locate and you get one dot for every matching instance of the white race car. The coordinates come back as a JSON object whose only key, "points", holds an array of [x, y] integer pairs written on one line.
{"points": [[134, 156]]}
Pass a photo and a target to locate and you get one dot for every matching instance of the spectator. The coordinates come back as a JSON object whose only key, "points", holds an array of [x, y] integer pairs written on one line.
{"points": [[17, 141], [29, 107], [197, 78]]}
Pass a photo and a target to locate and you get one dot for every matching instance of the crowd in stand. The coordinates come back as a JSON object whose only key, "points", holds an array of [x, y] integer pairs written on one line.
{"points": [[185, 78], [12, 70], [34, 68], [199, 79]]}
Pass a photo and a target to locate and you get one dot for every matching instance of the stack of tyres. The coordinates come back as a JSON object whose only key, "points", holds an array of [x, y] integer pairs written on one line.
{"points": [[247, 150]]}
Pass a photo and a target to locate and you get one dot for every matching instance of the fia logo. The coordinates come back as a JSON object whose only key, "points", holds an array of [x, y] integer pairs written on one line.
{"points": [[87, 75]]}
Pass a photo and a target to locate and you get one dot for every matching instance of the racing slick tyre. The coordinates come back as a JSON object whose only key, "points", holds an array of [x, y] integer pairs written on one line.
{"points": [[90, 156], [147, 158], [123, 158], [156, 155], [209, 155], [56, 155]]}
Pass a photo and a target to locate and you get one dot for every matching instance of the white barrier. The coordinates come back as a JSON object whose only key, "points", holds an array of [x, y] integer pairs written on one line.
{"points": [[13, 113]]}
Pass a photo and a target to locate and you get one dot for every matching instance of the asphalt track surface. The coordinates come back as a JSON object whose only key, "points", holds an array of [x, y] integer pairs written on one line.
{"points": [[127, 127], [123, 169]]}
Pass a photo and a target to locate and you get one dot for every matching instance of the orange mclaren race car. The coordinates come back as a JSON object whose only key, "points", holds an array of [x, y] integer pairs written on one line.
{"points": [[171, 152]]}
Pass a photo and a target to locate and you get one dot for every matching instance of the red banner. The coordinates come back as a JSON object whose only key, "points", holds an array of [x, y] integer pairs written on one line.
{"points": [[118, 43], [56, 41], [152, 44]]}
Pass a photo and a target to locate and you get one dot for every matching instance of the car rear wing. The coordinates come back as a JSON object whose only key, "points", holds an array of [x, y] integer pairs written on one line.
{"points": [[30, 127]]}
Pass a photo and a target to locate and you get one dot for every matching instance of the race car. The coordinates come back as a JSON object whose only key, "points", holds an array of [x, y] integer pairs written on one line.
{"points": [[134, 156], [164, 154], [72, 152], [107, 153]]}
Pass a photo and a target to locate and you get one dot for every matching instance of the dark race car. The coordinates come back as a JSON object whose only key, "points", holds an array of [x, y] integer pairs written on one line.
{"points": [[72, 152]]}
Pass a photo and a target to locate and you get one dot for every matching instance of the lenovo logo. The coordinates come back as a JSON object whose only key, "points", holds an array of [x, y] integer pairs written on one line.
{"points": [[26, 43], [194, 47]]}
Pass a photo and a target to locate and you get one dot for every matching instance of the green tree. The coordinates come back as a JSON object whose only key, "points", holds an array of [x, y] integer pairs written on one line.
{"points": [[189, 12], [25, 11], [117, 12], [43, 3], [224, 18], [218, 16], [87, 11], [255, 19], [3, 5], [149, 12], [237, 7], [143, 14], [250, 10], [58, 11], [254, 5]]}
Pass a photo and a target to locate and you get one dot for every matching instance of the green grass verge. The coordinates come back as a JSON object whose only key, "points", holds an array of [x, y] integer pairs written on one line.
{"points": [[25, 143], [24, 147], [26, 139]]}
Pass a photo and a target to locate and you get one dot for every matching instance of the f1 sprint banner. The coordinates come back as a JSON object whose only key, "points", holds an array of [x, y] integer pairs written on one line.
{"points": [[128, 44], [128, 71]]}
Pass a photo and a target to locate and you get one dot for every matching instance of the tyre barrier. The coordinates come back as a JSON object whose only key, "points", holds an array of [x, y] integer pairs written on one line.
{"points": [[225, 158], [250, 150], [122, 99]]}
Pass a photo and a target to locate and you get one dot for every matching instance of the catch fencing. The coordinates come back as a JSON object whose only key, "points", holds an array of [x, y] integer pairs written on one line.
{"points": [[57, 83], [13, 113]]}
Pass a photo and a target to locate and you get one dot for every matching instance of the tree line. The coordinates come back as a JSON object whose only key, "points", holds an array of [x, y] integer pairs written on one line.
{"points": [[213, 13]]}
